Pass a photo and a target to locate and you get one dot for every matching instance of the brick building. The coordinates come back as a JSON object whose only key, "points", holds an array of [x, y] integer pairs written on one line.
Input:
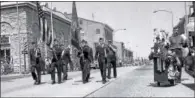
{"points": [[17, 35]]}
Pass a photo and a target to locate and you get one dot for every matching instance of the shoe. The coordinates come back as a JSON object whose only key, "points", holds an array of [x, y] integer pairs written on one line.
{"points": [[104, 82], [115, 77], [59, 82], [53, 82], [108, 77], [84, 82], [35, 83], [38, 83]]}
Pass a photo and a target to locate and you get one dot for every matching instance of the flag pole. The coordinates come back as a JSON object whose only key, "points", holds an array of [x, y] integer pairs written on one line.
{"points": [[19, 36], [52, 25], [46, 40]]}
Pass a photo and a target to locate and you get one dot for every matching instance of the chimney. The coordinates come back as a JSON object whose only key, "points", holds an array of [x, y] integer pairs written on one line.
{"points": [[46, 5], [54, 9]]}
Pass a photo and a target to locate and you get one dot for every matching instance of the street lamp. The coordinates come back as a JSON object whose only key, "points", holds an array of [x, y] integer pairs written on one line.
{"points": [[167, 12], [118, 30]]}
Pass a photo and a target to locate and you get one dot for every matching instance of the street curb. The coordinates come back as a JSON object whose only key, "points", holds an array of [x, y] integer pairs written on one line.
{"points": [[5, 78]]}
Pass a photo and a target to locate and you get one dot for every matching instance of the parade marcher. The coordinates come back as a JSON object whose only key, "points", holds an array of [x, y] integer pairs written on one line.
{"points": [[85, 60], [56, 62], [35, 67], [111, 59], [101, 55], [91, 59], [66, 59]]}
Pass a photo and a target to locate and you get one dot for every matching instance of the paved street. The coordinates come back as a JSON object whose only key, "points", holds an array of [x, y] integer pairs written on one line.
{"points": [[72, 88], [132, 81], [139, 83]]}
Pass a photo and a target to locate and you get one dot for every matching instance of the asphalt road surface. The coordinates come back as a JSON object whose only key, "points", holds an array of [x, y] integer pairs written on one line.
{"points": [[140, 83], [133, 81]]}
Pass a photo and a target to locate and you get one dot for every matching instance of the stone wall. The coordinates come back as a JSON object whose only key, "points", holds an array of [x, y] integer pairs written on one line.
{"points": [[28, 32], [16, 31]]}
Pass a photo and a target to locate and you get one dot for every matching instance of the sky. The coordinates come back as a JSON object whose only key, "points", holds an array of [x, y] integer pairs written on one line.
{"points": [[137, 17]]}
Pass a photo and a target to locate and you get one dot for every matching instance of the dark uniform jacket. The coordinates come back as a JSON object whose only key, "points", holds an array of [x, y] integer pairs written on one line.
{"points": [[56, 53], [87, 53], [32, 57], [66, 55], [111, 54], [101, 51]]}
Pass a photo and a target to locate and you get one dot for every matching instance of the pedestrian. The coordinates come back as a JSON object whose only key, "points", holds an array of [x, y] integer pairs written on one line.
{"points": [[177, 43], [85, 60], [66, 59], [56, 62], [101, 55], [34, 61], [111, 59]]}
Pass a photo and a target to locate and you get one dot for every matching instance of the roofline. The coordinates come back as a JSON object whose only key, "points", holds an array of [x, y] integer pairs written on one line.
{"points": [[95, 22], [33, 6]]}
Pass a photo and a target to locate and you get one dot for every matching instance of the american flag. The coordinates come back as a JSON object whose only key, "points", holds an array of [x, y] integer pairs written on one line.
{"points": [[40, 11], [42, 22]]}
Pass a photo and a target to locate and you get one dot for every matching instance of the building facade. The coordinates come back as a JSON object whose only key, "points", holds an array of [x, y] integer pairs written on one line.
{"points": [[19, 27], [91, 31], [128, 56]]}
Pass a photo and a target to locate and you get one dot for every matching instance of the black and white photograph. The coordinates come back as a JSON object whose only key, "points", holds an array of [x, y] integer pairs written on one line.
{"points": [[97, 48]]}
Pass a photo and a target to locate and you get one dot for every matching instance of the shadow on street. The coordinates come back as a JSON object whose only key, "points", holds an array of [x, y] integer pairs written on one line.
{"points": [[191, 86], [161, 85]]}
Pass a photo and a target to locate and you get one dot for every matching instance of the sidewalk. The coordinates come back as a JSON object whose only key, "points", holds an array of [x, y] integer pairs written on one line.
{"points": [[71, 88], [14, 76]]}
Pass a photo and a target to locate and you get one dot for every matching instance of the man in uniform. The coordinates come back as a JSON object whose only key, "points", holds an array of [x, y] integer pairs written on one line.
{"points": [[34, 64], [85, 60], [65, 60], [111, 59], [56, 62], [101, 56]]}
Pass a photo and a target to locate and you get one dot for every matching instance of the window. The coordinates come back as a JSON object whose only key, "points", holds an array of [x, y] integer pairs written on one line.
{"points": [[97, 31]]}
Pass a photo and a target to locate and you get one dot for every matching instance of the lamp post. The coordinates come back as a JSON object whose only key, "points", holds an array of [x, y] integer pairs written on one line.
{"points": [[114, 32], [167, 12]]}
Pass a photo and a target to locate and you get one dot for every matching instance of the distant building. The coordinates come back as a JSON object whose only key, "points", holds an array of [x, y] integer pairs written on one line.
{"points": [[128, 56], [92, 30], [14, 40]]}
